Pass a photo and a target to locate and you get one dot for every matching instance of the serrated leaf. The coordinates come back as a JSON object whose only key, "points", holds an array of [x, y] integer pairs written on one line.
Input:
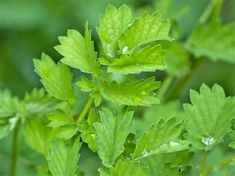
{"points": [[162, 137], [37, 135], [111, 134], [8, 105], [147, 59], [67, 132], [59, 118], [112, 25], [208, 117], [134, 93], [56, 78], [78, 51], [87, 130], [62, 158], [129, 168], [85, 84], [147, 28], [215, 41], [37, 102]]}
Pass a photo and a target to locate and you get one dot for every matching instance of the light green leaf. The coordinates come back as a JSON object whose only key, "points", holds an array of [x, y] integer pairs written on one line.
{"points": [[39, 103], [56, 78], [85, 84], [129, 168], [78, 51], [37, 135], [87, 130], [63, 158], [134, 93], [59, 118], [147, 59], [4, 130], [112, 25], [111, 134], [215, 41], [208, 117], [8, 105], [162, 137], [147, 28]]}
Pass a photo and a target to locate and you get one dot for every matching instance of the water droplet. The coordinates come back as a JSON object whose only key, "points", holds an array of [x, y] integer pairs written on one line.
{"points": [[208, 140], [143, 92], [124, 50], [181, 170]]}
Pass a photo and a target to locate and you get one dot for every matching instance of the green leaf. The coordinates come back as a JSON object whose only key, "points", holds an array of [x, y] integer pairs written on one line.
{"points": [[63, 158], [215, 41], [85, 84], [208, 117], [112, 25], [129, 168], [8, 105], [162, 137], [134, 93], [87, 130], [4, 130], [39, 103], [147, 59], [147, 28], [56, 78], [78, 51], [64, 124], [59, 118], [37, 135], [111, 134]]}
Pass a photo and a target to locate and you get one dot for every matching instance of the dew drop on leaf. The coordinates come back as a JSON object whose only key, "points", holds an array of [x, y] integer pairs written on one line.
{"points": [[124, 50], [208, 141]]}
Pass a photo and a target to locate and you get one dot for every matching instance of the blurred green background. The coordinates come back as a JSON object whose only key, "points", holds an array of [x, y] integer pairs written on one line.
{"points": [[29, 27]]}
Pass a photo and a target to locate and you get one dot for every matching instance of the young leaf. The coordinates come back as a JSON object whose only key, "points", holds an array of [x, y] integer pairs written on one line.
{"points": [[112, 25], [129, 168], [111, 134], [85, 84], [38, 103], [147, 28], [162, 137], [208, 117], [147, 59], [62, 158], [134, 93], [215, 41], [78, 51], [37, 135], [56, 78]]}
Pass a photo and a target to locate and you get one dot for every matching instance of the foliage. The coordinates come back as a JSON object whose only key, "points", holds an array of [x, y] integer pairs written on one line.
{"points": [[129, 122]]}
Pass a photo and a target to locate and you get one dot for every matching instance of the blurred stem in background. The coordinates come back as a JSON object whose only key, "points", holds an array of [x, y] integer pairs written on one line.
{"points": [[213, 11]]}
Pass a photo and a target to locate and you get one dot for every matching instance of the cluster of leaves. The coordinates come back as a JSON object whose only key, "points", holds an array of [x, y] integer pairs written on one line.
{"points": [[165, 141]]}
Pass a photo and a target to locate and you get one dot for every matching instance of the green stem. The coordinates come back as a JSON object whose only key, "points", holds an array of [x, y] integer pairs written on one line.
{"points": [[164, 87], [14, 150], [85, 110]]}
